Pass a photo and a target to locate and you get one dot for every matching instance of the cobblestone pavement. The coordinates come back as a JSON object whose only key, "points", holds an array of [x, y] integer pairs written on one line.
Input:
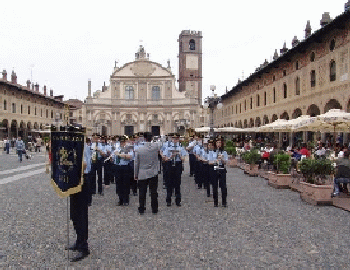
{"points": [[261, 228]]}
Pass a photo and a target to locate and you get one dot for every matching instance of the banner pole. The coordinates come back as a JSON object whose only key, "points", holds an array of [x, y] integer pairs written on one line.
{"points": [[68, 232]]}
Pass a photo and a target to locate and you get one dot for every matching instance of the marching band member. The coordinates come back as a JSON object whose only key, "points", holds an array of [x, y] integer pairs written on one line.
{"points": [[192, 158], [165, 166], [79, 203], [205, 167], [176, 155], [98, 155], [108, 163], [122, 158], [217, 159], [197, 150]]}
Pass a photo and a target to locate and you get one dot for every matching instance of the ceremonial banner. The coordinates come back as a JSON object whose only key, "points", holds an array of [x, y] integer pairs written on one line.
{"points": [[67, 149]]}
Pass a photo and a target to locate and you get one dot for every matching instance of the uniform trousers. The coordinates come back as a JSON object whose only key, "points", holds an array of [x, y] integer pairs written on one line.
{"points": [[197, 173], [218, 179], [174, 181], [123, 183], [165, 172], [192, 159], [79, 214], [96, 168], [205, 177], [153, 187], [108, 172]]}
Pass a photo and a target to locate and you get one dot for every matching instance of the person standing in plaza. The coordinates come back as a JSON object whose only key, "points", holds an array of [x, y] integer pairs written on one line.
{"points": [[146, 172], [192, 157], [97, 160], [7, 145], [79, 203], [20, 148], [217, 159], [176, 155], [123, 157]]}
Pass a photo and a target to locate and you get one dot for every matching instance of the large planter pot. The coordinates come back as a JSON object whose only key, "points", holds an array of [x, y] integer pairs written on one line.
{"points": [[253, 170], [316, 194], [246, 168], [232, 163], [280, 180]]}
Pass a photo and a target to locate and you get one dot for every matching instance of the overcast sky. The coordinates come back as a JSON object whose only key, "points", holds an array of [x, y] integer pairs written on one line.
{"points": [[64, 43]]}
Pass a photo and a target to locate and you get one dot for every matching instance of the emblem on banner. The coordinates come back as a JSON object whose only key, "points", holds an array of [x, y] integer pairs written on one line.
{"points": [[67, 150]]}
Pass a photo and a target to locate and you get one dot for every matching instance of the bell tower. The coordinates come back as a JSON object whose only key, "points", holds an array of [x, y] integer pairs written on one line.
{"points": [[190, 64]]}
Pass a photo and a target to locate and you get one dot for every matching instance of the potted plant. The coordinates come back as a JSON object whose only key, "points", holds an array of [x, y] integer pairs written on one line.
{"points": [[282, 178], [316, 189], [232, 152], [252, 158]]}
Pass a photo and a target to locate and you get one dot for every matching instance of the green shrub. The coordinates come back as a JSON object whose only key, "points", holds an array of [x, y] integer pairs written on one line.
{"points": [[316, 170], [252, 156], [282, 162]]}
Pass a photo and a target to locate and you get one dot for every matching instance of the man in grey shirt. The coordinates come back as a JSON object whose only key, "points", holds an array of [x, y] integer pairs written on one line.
{"points": [[20, 148], [146, 168]]}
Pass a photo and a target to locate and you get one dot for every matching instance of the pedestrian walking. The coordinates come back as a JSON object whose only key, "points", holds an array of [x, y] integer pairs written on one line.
{"points": [[20, 148]]}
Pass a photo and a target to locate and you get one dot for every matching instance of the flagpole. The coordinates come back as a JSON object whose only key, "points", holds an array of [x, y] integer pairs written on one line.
{"points": [[68, 231]]}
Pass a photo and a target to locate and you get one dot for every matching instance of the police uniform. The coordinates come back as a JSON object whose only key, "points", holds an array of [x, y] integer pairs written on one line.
{"points": [[197, 150], [165, 163], [108, 163], [192, 157], [217, 173], [174, 154], [205, 169], [79, 203], [97, 160], [124, 173]]}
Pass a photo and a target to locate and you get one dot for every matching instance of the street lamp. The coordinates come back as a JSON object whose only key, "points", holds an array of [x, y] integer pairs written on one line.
{"points": [[210, 102]]}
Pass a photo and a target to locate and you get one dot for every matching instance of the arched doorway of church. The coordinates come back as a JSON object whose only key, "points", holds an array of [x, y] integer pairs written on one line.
{"points": [[129, 130], [181, 130], [155, 130], [104, 131]]}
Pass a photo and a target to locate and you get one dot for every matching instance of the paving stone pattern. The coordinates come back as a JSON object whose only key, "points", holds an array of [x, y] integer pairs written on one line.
{"points": [[261, 228]]}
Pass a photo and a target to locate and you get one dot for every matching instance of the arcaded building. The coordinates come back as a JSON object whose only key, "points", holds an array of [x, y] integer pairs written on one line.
{"points": [[143, 95], [310, 78], [26, 111]]}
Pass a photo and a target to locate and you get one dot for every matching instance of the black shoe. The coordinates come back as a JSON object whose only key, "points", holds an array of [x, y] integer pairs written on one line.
{"points": [[141, 212], [208, 195], [216, 205], [126, 204], [155, 212], [178, 204], [81, 255], [72, 247], [120, 203], [168, 204], [224, 205]]}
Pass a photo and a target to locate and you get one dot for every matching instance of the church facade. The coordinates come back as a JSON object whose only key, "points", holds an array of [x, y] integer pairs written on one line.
{"points": [[142, 95]]}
